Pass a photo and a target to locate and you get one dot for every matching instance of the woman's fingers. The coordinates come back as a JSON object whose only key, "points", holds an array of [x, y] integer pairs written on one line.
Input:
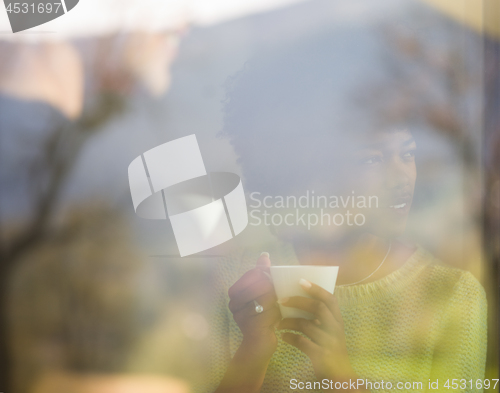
{"points": [[313, 306], [247, 287], [303, 344], [270, 316], [264, 262], [309, 328], [252, 292], [267, 301], [321, 294], [246, 280]]}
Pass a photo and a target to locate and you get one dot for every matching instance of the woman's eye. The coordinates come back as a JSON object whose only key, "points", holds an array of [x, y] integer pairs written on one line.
{"points": [[371, 160], [410, 154]]}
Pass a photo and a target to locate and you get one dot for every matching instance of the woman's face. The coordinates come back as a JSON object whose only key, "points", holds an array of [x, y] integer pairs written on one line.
{"points": [[369, 182], [383, 166]]}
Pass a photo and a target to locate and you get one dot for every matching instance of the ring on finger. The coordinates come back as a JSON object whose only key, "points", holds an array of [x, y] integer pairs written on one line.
{"points": [[258, 307]]}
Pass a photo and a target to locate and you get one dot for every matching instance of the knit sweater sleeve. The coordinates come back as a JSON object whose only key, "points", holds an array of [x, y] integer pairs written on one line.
{"points": [[226, 273], [460, 351], [218, 355]]}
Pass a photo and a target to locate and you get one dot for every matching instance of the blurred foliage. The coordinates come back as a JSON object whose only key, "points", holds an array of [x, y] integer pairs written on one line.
{"points": [[85, 301]]}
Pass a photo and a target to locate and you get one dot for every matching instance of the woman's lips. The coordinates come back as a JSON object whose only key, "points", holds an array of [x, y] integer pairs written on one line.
{"points": [[401, 205]]}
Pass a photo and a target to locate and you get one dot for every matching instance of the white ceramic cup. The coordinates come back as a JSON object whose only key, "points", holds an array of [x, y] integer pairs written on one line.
{"points": [[286, 284]]}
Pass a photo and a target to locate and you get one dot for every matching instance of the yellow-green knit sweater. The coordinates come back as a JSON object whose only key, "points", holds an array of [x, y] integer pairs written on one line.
{"points": [[422, 322]]}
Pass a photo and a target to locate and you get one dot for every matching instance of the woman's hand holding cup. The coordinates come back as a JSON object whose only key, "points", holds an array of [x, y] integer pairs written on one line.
{"points": [[258, 328]]}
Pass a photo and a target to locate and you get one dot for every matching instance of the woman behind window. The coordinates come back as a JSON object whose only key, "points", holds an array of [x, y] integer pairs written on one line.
{"points": [[397, 315]]}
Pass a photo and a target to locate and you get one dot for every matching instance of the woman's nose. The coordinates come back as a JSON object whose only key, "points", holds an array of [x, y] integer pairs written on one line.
{"points": [[397, 176]]}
